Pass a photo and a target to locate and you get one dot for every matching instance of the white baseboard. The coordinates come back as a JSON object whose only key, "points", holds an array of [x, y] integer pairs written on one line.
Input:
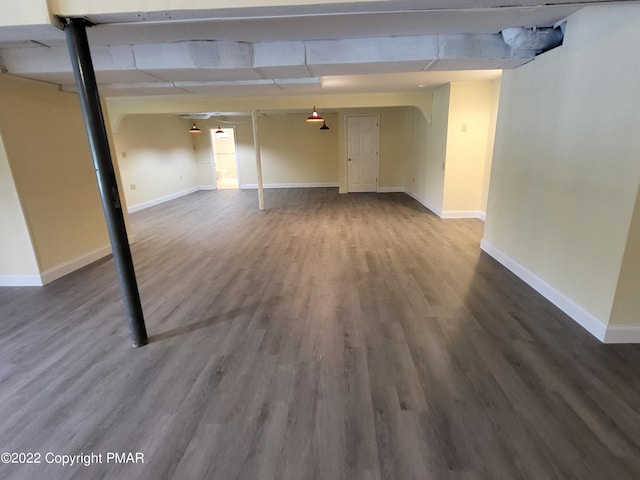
{"points": [[158, 201], [463, 214], [424, 203], [20, 281], [54, 273], [248, 186], [207, 187], [63, 269], [392, 190], [446, 214], [588, 321], [622, 334]]}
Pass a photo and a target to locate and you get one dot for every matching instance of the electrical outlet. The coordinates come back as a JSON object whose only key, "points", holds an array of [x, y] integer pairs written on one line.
{"points": [[123, 154], [133, 186], [464, 128]]}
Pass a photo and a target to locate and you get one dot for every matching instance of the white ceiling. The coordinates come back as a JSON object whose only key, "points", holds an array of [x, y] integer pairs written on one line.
{"points": [[394, 45]]}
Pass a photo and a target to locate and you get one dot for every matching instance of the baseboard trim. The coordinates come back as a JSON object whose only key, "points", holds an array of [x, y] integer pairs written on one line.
{"points": [[392, 190], [250, 186], [424, 203], [20, 281], [63, 269], [445, 214], [589, 322], [464, 214], [207, 187], [622, 334], [158, 201]]}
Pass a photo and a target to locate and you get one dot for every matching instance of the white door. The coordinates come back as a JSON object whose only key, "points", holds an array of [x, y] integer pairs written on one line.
{"points": [[362, 153]]}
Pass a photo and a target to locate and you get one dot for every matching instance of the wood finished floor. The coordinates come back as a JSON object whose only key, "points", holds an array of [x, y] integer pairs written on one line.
{"points": [[329, 337]]}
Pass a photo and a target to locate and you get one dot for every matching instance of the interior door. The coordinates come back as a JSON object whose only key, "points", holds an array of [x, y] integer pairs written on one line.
{"points": [[362, 153]]}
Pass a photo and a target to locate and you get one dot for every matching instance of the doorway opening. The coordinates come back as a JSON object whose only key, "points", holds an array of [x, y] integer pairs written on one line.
{"points": [[223, 142]]}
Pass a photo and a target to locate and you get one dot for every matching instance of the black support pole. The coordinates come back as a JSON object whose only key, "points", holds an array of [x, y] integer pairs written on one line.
{"points": [[75, 30]]}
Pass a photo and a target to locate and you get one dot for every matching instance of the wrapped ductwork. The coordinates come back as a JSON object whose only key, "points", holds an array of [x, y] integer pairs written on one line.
{"points": [[537, 40]]}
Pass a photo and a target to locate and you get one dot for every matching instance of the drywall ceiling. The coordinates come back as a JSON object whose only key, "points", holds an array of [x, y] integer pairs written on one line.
{"points": [[330, 47]]}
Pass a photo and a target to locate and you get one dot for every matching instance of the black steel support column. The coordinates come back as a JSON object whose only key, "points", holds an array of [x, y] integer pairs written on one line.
{"points": [[75, 30]]}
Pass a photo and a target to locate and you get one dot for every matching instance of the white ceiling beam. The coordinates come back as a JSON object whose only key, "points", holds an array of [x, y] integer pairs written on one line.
{"points": [[280, 59], [245, 61], [207, 63], [194, 54], [421, 49]]}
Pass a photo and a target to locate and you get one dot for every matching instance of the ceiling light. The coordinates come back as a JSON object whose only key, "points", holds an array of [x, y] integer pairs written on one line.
{"points": [[219, 133], [314, 117], [324, 126], [194, 129]]}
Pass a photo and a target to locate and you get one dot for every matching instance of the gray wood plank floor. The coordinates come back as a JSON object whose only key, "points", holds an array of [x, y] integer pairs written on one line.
{"points": [[329, 337]]}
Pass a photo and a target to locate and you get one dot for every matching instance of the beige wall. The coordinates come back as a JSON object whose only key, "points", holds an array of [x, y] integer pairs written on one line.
{"points": [[47, 148], [205, 176], [245, 151], [449, 168], [24, 12], [432, 184], [426, 171], [296, 152], [470, 107], [156, 153], [17, 257], [565, 172], [120, 107], [626, 305], [396, 146], [491, 136], [293, 151]]}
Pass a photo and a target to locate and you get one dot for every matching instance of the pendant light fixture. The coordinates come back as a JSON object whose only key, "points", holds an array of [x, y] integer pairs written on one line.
{"points": [[219, 133], [314, 117], [324, 125], [194, 129]]}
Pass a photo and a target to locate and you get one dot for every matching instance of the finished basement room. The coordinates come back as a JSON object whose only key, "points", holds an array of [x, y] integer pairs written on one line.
{"points": [[319, 240]]}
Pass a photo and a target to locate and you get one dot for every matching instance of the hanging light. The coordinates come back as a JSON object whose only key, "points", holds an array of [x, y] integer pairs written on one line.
{"points": [[194, 129], [314, 117], [324, 125], [219, 133]]}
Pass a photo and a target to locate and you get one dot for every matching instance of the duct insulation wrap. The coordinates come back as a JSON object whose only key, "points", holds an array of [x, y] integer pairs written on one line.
{"points": [[536, 39]]}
